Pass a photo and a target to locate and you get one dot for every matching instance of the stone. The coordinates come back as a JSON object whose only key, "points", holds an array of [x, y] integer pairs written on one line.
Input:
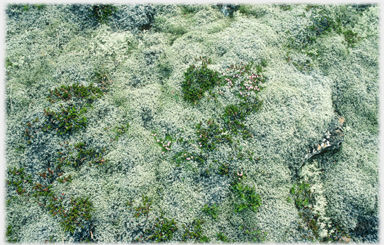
{"points": [[333, 139]]}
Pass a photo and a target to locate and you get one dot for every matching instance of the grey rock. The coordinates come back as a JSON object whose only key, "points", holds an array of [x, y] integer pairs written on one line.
{"points": [[332, 139]]}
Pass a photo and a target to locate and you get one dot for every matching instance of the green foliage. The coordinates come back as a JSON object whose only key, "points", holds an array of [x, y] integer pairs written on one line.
{"points": [[8, 63], [255, 235], [164, 229], [68, 119], [210, 136], [302, 192], [223, 169], [213, 211], [165, 143], [188, 9], [285, 7], [324, 22], [143, 208], [76, 90], [102, 12], [8, 234], [249, 10], [121, 129], [249, 83], [248, 197], [351, 38], [18, 179], [222, 237], [195, 231], [303, 200], [198, 80], [76, 216], [76, 155]]}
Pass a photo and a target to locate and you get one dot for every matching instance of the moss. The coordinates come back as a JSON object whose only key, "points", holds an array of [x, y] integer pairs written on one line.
{"points": [[102, 12], [198, 80], [247, 197], [212, 211], [249, 10], [222, 237], [195, 231], [143, 208], [164, 230]]}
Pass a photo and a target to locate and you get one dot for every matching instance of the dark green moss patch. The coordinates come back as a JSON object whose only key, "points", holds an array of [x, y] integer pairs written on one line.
{"points": [[212, 211], [210, 136], [102, 12], [198, 80], [18, 179], [143, 208], [247, 197], [194, 232], [222, 237], [163, 230]]}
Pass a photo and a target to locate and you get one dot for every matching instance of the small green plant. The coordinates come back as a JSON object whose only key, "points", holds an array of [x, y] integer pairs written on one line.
{"points": [[285, 7], [188, 9], [198, 80], [102, 12], [165, 143], [75, 91], [213, 211], [223, 169], [351, 38], [79, 212], [142, 209], [164, 229], [8, 234], [247, 195], [195, 231], [18, 179], [303, 199], [248, 10], [210, 136], [255, 235], [121, 130], [222, 237]]}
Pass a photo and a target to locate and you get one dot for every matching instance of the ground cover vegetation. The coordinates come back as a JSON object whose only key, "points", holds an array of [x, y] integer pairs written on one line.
{"points": [[187, 123]]}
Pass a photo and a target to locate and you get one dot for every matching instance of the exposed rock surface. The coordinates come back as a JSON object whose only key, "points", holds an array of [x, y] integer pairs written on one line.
{"points": [[333, 138]]}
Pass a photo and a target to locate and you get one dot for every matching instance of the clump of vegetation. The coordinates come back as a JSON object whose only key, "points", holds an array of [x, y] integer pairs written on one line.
{"points": [[247, 195], [195, 231], [247, 10], [75, 216], [74, 91], [8, 234], [18, 178], [121, 130], [164, 229], [303, 198], [142, 209], [224, 169], [165, 143], [222, 237], [77, 155], [323, 22], [351, 38], [210, 136], [285, 7], [65, 121], [185, 156], [213, 211], [102, 12], [253, 235], [198, 80]]}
